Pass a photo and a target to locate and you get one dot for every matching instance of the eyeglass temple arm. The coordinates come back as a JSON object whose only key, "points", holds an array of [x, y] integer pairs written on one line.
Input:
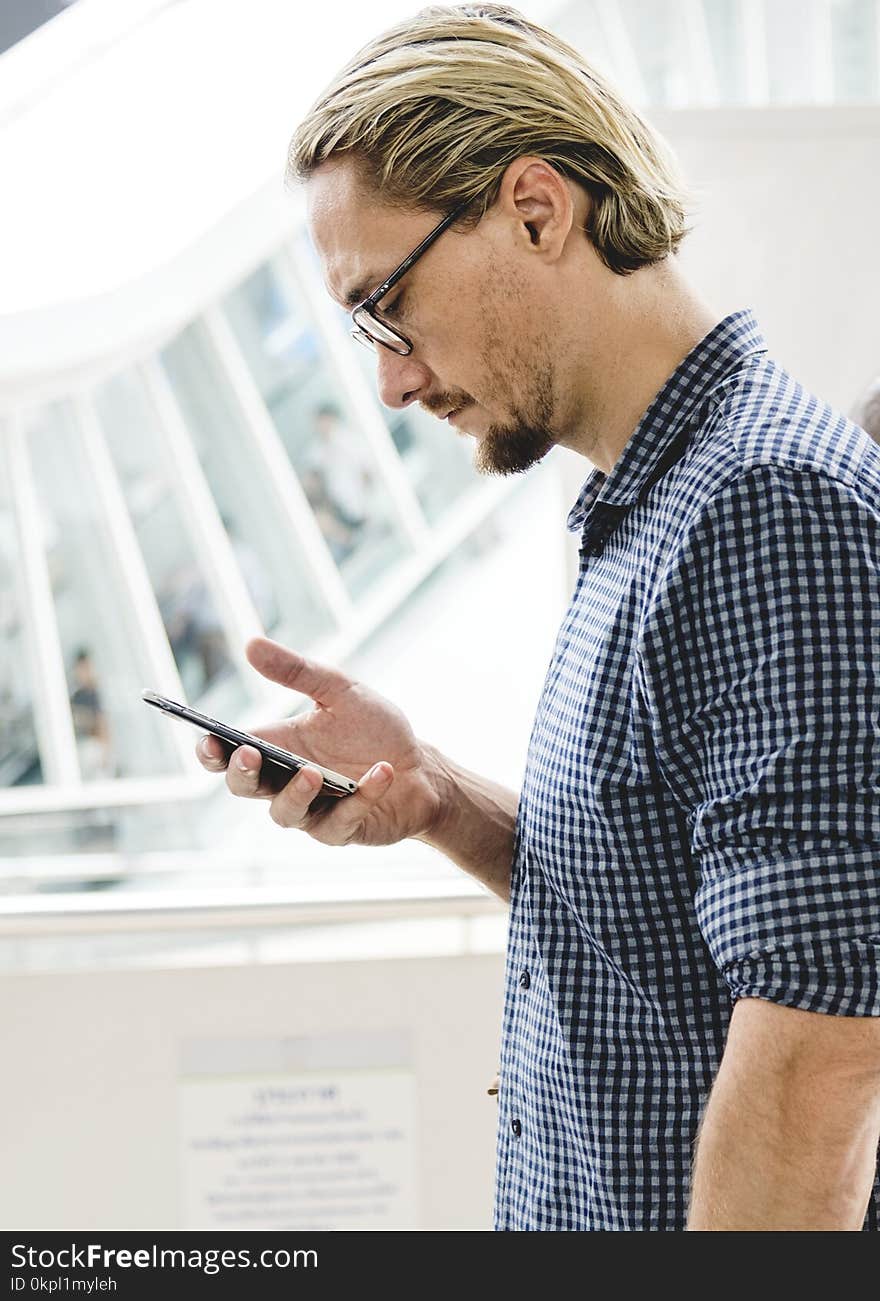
{"points": [[405, 265]]}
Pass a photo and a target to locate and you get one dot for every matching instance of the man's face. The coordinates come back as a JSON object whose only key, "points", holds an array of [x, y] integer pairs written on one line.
{"points": [[481, 350]]}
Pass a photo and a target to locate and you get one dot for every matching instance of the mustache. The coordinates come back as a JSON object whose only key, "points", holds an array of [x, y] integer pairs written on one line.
{"points": [[443, 402]]}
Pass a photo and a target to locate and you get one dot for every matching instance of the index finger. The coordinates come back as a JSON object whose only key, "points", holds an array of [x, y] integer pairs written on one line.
{"points": [[216, 752], [210, 749], [248, 773]]}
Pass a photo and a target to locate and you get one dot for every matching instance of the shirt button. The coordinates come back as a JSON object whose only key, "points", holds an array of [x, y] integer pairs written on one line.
{"points": [[524, 979], [516, 1126]]}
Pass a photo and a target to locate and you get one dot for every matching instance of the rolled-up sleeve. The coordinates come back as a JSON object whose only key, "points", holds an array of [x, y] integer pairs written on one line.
{"points": [[759, 671]]}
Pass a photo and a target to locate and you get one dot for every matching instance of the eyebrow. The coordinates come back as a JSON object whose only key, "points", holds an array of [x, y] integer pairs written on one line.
{"points": [[366, 286], [362, 290]]}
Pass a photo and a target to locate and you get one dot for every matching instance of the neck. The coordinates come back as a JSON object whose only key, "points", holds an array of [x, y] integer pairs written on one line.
{"points": [[650, 321]]}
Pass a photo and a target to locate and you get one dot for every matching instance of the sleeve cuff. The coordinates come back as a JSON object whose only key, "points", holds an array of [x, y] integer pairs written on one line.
{"points": [[840, 977]]}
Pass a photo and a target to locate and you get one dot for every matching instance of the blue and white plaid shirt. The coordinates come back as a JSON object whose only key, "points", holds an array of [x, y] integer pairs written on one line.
{"points": [[700, 814]]}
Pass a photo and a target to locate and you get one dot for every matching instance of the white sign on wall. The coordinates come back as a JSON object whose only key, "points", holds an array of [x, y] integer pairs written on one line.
{"points": [[298, 1134]]}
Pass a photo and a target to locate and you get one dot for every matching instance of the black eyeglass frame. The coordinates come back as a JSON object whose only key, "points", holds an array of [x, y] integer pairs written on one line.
{"points": [[368, 307]]}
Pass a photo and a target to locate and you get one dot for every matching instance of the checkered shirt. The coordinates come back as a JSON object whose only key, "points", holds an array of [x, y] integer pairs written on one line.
{"points": [[700, 814]]}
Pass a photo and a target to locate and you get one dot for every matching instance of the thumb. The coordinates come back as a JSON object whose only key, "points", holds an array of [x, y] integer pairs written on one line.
{"points": [[320, 682], [373, 783]]}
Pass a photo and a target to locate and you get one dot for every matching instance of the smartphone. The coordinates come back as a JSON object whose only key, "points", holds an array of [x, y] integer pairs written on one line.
{"points": [[278, 765]]}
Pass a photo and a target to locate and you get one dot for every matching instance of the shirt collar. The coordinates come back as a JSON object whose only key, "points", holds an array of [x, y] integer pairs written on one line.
{"points": [[667, 421]]}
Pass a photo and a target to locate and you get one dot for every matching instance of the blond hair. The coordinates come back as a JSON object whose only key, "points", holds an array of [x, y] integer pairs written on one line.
{"points": [[436, 108]]}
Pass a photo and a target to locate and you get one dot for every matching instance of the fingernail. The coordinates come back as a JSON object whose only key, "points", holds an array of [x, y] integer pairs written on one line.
{"points": [[245, 765], [377, 773]]}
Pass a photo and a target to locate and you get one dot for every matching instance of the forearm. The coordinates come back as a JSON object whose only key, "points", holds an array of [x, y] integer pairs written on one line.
{"points": [[784, 1146], [475, 823]]}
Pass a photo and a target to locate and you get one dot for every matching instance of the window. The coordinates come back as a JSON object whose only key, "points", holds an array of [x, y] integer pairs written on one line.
{"points": [[270, 556], [186, 588], [98, 629], [20, 763], [323, 440]]}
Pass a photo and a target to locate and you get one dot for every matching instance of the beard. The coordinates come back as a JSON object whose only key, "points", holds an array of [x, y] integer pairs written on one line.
{"points": [[518, 369], [517, 362], [524, 440], [511, 449], [515, 447]]}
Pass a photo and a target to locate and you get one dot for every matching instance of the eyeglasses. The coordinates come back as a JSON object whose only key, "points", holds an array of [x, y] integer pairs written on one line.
{"points": [[370, 328]]}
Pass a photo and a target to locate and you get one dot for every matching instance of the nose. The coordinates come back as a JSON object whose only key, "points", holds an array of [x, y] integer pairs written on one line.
{"points": [[400, 380]]}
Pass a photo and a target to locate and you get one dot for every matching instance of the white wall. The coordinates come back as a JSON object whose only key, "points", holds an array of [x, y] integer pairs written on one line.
{"points": [[92, 1068], [789, 224]]}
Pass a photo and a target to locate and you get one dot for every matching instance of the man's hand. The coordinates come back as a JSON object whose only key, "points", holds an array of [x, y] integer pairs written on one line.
{"points": [[789, 1138], [406, 789], [352, 730]]}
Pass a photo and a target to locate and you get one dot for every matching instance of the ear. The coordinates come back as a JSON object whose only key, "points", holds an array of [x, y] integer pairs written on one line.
{"points": [[539, 200]]}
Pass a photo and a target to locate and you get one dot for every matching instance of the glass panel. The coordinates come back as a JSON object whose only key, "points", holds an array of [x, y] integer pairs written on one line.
{"points": [[333, 459], [264, 541], [437, 460], [855, 49], [726, 39], [185, 592], [579, 25], [103, 651], [790, 62], [19, 753], [654, 28]]}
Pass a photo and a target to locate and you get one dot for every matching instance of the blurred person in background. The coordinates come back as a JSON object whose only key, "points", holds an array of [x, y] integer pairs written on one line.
{"points": [[691, 1030], [89, 720], [338, 480], [194, 628]]}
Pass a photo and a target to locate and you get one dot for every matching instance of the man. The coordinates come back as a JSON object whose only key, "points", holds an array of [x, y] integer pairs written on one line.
{"points": [[692, 861]]}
